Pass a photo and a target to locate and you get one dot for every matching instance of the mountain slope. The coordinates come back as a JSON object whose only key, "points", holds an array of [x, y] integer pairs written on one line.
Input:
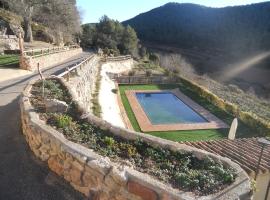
{"points": [[193, 26]]}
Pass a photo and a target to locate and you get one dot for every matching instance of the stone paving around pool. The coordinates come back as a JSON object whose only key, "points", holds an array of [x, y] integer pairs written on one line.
{"points": [[146, 126]]}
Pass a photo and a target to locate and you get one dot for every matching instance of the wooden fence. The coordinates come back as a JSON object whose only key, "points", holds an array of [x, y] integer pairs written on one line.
{"points": [[118, 58], [142, 79], [46, 51]]}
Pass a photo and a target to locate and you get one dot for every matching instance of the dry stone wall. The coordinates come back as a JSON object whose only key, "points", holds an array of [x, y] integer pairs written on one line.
{"points": [[83, 82], [101, 179], [8, 42], [30, 63]]}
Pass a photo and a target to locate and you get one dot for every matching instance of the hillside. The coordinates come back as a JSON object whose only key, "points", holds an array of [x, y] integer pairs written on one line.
{"points": [[212, 40], [195, 26]]}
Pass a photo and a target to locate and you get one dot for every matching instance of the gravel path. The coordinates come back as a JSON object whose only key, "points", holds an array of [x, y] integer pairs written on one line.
{"points": [[22, 176], [111, 111]]}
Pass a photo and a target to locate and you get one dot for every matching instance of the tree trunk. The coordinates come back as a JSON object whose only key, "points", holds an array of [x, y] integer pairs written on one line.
{"points": [[28, 25], [28, 30]]}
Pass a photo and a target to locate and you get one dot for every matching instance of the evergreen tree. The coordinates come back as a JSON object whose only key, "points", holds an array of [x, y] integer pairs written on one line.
{"points": [[110, 35]]}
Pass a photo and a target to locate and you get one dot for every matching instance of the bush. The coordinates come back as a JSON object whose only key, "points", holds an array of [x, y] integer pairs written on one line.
{"points": [[109, 141], [53, 90], [154, 58], [63, 121], [249, 119], [115, 91], [148, 73], [128, 150], [176, 71], [131, 73]]}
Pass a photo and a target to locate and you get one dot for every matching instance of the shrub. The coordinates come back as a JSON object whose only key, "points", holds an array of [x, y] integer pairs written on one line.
{"points": [[249, 119], [53, 90], [115, 91], [148, 73], [154, 58], [63, 121], [131, 73], [176, 71], [167, 72], [109, 141], [128, 150]]}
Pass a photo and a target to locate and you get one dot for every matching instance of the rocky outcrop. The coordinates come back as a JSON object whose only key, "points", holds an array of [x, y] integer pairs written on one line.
{"points": [[10, 27], [11, 23], [8, 42]]}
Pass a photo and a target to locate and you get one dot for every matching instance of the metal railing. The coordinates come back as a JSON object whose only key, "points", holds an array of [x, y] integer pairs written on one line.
{"points": [[67, 73], [47, 51]]}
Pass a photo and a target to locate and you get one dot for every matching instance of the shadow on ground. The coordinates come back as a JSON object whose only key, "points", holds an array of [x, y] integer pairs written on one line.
{"points": [[22, 176]]}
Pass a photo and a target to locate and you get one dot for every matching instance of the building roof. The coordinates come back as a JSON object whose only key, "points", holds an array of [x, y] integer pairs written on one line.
{"points": [[244, 152]]}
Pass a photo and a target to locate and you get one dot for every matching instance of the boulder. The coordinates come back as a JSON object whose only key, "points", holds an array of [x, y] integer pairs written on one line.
{"points": [[10, 28], [54, 105], [11, 44]]}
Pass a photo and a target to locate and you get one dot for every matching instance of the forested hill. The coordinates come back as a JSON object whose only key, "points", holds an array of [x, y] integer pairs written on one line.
{"points": [[194, 26]]}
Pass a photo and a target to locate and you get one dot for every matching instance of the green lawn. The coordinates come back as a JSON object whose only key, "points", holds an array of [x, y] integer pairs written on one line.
{"points": [[195, 135], [9, 61]]}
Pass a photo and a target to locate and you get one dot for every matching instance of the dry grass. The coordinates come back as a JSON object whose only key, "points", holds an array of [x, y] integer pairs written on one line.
{"points": [[245, 101]]}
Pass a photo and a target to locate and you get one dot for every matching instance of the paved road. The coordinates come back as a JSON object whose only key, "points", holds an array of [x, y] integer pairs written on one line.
{"points": [[22, 176]]}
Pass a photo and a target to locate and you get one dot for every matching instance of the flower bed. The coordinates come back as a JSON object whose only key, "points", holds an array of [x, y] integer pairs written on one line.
{"points": [[182, 169]]}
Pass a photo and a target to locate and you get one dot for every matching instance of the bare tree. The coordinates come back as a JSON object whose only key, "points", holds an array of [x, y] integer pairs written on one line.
{"points": [[25, 8], [61, 16]]}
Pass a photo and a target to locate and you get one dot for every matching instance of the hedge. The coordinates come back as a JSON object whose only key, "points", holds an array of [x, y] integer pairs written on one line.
{"points": [[250, 119]]}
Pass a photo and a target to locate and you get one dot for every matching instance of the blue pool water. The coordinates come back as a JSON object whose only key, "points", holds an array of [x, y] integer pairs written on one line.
{"points": [[166, 108]]}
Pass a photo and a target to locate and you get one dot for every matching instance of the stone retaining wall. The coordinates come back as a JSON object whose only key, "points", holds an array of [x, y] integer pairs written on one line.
{"points": [[99, 178], [83, 82], [30, 63], [8, 42]]}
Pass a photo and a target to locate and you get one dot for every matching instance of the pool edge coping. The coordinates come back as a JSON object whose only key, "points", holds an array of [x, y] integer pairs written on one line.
{"points": [[146, 125]]}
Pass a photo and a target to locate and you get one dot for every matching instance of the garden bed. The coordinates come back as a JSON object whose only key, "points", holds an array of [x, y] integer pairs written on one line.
{"points": [[178, 169]]}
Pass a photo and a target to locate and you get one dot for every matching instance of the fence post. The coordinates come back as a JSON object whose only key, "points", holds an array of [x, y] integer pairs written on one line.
{"points": [[68, 75], [21, 44]]}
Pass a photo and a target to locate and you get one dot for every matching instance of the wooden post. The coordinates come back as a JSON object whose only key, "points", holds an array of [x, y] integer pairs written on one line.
{"points": [[21, 44], [259, 162], [22, 63], [43, 81], [68, 75]]}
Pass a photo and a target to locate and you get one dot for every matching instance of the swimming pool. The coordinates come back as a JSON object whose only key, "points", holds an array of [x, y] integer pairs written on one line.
{"points": [[166, 108]]}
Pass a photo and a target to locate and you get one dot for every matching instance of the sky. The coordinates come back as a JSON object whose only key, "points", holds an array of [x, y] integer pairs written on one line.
{"points": [[122, 10]]}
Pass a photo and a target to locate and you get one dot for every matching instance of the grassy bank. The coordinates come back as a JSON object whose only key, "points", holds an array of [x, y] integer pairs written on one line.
{"points": [[9, 61], [195, 135]]}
